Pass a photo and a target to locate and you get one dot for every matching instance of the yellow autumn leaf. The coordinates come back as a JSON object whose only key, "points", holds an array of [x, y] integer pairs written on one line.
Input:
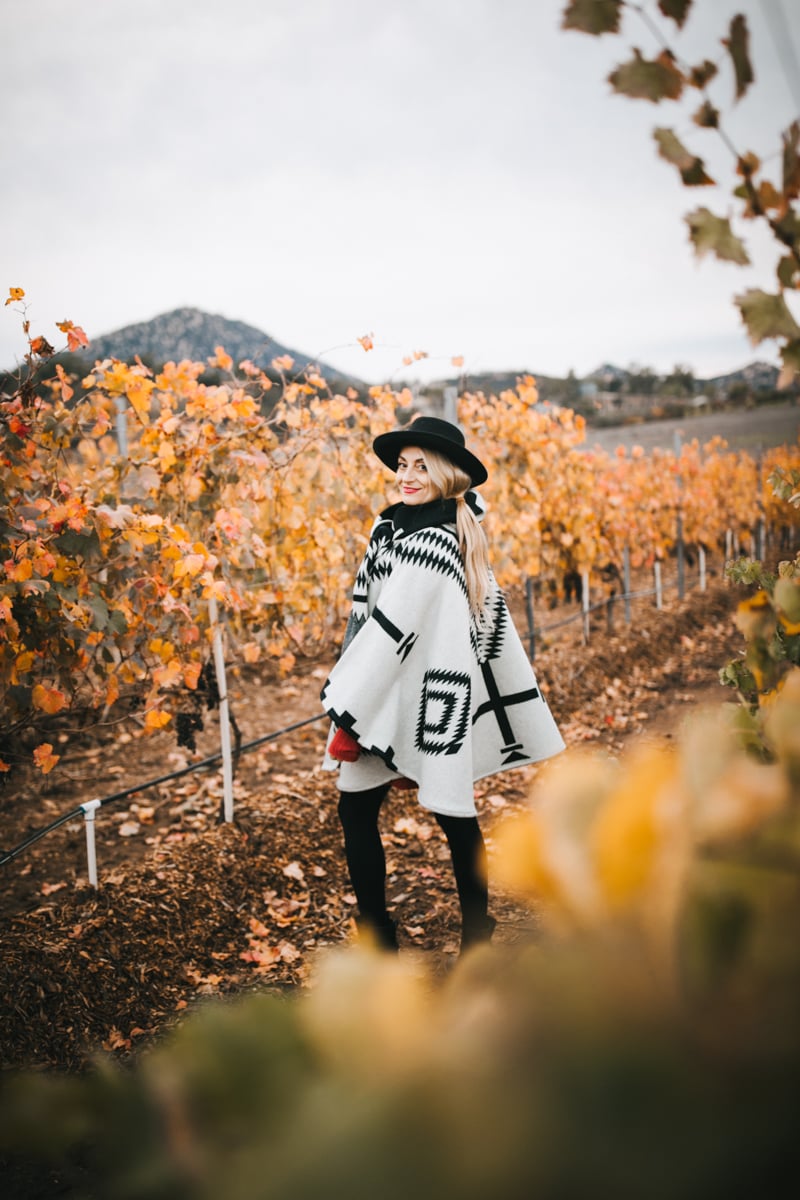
{"points": [[627, 834], [190, 564], [164, 650], [14, 294], [193, 487], [156, 719], [521, 861], [138, 391], [18, 572], [166, 676]]}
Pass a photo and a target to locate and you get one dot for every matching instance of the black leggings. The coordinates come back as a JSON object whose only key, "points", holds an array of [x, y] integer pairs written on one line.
{"points": [[366, 863]]}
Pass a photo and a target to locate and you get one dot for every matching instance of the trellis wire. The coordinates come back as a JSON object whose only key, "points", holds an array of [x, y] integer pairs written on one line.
{"points": [[93, 806], [607, 603]]}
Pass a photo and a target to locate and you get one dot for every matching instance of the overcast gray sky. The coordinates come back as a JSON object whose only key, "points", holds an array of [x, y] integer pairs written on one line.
{"points": [[454, 176]]}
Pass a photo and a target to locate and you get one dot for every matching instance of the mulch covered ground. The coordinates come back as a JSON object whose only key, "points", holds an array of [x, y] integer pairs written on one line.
{"points": [[189, 908]]}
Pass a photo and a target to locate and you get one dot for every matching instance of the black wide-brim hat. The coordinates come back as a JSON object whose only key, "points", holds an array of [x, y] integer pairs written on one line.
{"points": [[430, 433]]}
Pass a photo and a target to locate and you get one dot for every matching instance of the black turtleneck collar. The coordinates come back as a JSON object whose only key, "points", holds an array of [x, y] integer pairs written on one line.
{"points": [[410, 518]]}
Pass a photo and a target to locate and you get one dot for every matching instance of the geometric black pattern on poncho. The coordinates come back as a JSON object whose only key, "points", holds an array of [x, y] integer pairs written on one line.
{"points": [[443, 712], [405, 642], [488, 635], [498, 705], [436, 550]]}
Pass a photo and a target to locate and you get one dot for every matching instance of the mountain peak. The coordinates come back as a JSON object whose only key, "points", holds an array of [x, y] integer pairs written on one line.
{"points": [[191, 333]]}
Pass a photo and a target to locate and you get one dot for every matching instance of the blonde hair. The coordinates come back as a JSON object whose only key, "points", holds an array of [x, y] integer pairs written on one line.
{"points": [[452, 484]]}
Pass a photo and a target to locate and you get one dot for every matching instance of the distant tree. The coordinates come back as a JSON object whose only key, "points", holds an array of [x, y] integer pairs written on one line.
{"points": [[679, 382], [642, 381], [773, 202], [738, 392], [572, 389]]}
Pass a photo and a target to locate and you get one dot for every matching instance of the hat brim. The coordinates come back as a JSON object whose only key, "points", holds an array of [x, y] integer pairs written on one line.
{"points": [[387, 446]]}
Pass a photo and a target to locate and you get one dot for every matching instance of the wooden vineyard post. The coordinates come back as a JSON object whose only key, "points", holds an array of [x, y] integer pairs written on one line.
{"points": [[224, 719], [529, 614], [701, 556], [585, 603], [657, 581], [626, 581], [681, 558]]}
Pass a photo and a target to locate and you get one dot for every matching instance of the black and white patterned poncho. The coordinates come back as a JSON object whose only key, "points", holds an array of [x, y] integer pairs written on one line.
{"points": [[427, 691]]}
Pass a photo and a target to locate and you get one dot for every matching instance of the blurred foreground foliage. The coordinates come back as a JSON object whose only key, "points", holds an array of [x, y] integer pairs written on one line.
{"points": [[770, 620], [645, 1044]]}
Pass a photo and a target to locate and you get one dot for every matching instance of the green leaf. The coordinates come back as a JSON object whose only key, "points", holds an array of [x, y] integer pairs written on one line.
{"points": [[676, 9], [699, 76], [648, 79], [766, 316], [790, 357], [99, 610], [74, 542], [737, 45], [690, 166], [787, 598], [593, 16], [788, 269], [714, 234], [791, 160], [788, 229], [707, 117], [117, 622]]}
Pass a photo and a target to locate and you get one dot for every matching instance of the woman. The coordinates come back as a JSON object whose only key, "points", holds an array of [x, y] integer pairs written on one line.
{"points": [[433, 688]]}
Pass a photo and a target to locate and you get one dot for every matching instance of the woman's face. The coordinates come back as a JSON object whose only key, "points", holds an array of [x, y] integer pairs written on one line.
{"points": [[416, 486]]}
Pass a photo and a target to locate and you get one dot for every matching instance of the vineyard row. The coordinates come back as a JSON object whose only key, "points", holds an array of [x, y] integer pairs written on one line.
{"points": [[110, 560]]}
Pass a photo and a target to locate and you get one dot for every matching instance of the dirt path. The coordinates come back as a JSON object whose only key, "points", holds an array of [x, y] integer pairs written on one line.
{"points": [[188, 908]]}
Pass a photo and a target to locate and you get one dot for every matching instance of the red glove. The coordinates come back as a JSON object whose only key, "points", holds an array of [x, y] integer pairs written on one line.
{"points": [[403, 784], [343, 747]]}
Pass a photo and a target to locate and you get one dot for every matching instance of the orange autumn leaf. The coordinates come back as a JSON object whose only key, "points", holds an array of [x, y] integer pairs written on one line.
{"points": [[15, 294], [44, 758], [284, 362], [18, 571], [4, 766], [41, 346], [191, 674], [221, 359], [366, 341], [156, 720], [76, 337], [49, 700], [66, 391], [112, 690]]}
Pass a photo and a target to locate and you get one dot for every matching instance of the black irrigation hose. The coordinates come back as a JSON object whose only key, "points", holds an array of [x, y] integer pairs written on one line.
{"points": [[9, 855]]}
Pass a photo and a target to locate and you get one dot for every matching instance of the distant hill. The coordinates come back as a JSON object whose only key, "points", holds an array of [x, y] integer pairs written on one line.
{"points": [[758, 376], [755, 375], [194, 334]]}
